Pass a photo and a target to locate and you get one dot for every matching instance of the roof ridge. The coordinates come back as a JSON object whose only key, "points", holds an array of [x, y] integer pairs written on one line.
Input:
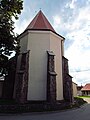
{"points": [[47, 20], [33, 21], [44, 19]]}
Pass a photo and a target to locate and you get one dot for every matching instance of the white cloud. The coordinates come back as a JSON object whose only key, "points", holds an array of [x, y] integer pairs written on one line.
{"points": [[24, 19], [79, 53], [81, 77], [84, 14], [20, 27], [71, 4], [56, 21]]}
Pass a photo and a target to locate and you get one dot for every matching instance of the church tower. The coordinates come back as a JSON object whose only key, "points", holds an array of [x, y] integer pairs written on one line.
{"points": [[42, 50]]}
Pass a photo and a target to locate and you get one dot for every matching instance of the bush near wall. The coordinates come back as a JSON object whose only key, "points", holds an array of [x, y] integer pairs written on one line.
{"points": [[79, 101]]}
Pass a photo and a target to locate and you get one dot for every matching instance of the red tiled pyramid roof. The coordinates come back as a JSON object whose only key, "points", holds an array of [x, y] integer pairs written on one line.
{"points": [[40, 22], [86, 87]]}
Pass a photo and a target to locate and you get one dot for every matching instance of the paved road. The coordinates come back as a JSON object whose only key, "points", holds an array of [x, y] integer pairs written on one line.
{"points": [[82, 113], [87, 100]]}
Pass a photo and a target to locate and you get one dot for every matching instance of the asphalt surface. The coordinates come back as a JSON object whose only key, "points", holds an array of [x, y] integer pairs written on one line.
{"points": [[87, 100], [82, 113]]}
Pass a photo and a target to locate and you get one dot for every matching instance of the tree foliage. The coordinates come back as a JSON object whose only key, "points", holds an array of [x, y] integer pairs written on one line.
{"points": [[8, 40]]}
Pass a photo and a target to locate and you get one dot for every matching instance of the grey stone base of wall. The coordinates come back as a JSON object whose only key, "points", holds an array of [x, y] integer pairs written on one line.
{"points": [[32, 107]]}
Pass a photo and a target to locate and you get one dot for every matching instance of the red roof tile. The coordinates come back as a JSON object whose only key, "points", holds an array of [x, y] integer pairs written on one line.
{"points": [[86, 87], [40, 22]]}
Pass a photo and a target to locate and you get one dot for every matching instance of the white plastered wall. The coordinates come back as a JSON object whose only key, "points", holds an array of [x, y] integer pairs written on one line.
{"points": [[56, 47], [38, 44], [74, 89]]}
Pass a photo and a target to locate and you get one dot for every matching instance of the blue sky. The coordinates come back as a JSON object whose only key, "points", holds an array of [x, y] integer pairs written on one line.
{"points": [[71, 19]]}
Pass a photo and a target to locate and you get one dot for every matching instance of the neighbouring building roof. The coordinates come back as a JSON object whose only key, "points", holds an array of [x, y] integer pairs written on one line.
{"points": [[79, 87], [40, 22], [86, 87]]}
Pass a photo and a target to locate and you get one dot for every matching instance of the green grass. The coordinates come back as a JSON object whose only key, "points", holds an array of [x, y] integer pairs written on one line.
{"points": [[83, 96]]}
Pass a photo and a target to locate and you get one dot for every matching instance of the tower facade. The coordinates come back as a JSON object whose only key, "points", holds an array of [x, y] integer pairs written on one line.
{"points": [[44, 73]]}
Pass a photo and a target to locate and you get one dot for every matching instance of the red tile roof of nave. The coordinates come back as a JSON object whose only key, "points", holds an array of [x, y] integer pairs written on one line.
{"points": [[40, 22], [86, 87]]}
